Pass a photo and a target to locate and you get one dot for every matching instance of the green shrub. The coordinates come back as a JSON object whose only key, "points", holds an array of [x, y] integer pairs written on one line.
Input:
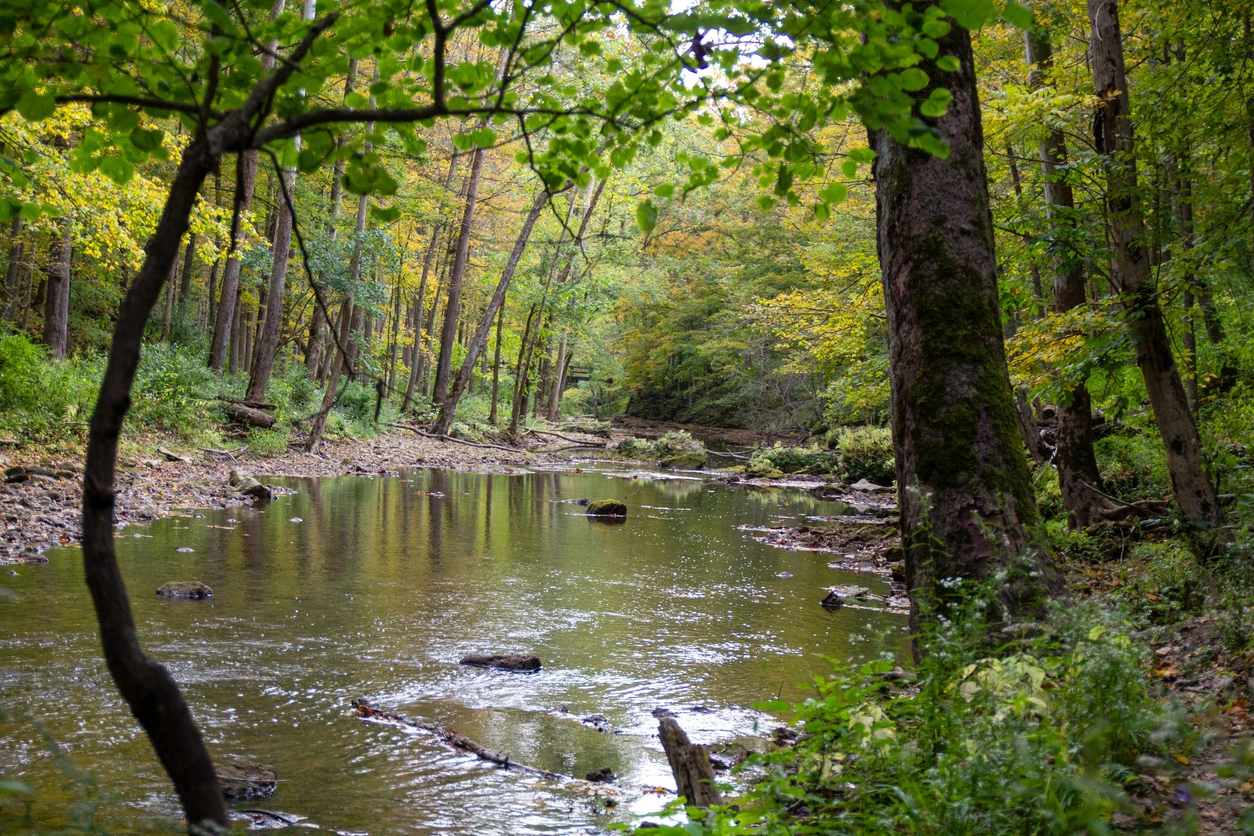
{"points": [[1166, 584], [172, 390], [1133, 466], [1037, 738], [267, 443], [43, 401], [864, 453], [772, 462]]}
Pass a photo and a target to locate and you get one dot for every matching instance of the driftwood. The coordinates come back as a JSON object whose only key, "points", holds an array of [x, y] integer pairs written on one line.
{"points": [[690, 764], [438, 437], [264, 407], [171, 456], [226, 453], [248, 415], [451, 738], [563, 438]]}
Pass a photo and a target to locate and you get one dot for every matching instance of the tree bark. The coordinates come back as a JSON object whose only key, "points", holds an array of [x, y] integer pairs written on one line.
{"points": [[496, 365], [57, 294], [965, 492], [452, 304], [448, 406], [153, 696], [1194, 491], [1074, 457], [690, 764], [13, 272], [268, 344], [185, 280]]}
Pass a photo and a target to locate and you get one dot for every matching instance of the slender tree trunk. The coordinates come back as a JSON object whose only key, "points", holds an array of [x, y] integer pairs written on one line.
{"points": [[146, 685], [268, 343], [520, 375], [169, 301], [13, 272], [559, 368], [1195, 492], [496, 364], [448, 406], [245, 183], [185, 280], [452, 305], [1038, 292], [1078, 475], [964, 487], [57, 294]]}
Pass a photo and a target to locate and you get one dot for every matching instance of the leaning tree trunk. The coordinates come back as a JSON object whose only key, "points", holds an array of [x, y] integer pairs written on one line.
{"points": [[1078, 476], [496, 366], [1195, 492], [57, 294], [152, 694], [965, 492], [268, 344], [452, 303], [448, 407]]}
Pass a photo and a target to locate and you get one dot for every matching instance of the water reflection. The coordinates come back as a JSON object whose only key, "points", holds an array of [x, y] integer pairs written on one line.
{"points": [[378, 591]]}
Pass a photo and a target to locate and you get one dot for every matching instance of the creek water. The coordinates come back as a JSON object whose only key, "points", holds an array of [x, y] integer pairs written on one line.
{"points": [[376, 587]]}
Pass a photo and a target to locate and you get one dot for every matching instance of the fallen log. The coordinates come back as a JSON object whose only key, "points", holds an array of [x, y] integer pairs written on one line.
{"points": [[562, 437], [265, 407], [690, 764], [451, 738], [438, 437], [247, 415]]}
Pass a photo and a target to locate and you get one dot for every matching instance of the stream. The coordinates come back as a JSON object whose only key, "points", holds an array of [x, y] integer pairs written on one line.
{"points": [[375, 588]]}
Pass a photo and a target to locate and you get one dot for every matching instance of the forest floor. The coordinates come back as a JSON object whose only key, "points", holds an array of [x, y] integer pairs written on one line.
{"points": [[42, 507]]}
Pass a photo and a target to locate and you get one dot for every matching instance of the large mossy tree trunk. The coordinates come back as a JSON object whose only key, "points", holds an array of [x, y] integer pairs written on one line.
{"points": [[1113, 134], [962, 472], [1078, 476]]}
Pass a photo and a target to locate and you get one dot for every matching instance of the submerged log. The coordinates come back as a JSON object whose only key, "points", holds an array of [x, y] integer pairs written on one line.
{"points": [[242, 780], [451, 738], [503, 661], [690, 764]]}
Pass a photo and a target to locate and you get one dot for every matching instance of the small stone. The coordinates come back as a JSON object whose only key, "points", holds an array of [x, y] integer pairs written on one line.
{"points": [[503, 661], [604, 775], [185, 549], [784, 575], [191, 590], [295, 520], [866, 486]]}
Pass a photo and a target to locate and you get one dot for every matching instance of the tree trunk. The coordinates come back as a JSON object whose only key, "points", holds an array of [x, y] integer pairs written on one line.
{"points": [[1195, 492], [520, 376], [153, 696], [169, 301], [57, 294], [452, 304], [496, 365], [185, 280], [268, 344], [690, 764], [1038, 292], [1075, 460], [13, 271], [448, 406], [964, 487], [559, 373]]}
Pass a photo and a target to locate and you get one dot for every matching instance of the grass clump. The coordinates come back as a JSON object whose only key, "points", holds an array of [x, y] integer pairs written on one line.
{"points": [[267, 443], [777, 461], [864, 453]]}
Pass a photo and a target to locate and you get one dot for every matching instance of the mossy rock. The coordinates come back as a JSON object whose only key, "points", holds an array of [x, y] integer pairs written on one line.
{"points": [[607, 508], [189, 590]]}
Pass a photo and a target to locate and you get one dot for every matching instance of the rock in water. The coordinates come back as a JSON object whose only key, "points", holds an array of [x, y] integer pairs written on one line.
{"points": [[192, 590], [241, 780], [503, 661], [604, 775], [249, 486], [837, 595], [607, 508]]}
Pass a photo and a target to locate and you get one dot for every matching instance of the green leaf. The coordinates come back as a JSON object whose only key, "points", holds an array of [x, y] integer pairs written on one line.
{"points": [[646, 216], [913, 79], [34, 107], [1017, 15], [117, 169], [948, 63], [147, 139], [834, 193], [665, 190], [849, 168], [970, 14], [387, 216], [484, 137]]}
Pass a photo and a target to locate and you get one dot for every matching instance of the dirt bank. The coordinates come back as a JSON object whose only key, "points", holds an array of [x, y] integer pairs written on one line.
{"points": [[44, 511]]}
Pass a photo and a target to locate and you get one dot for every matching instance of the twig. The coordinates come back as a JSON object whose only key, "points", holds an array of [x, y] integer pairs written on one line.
{"points": [[426, 434], [1143, 505]]}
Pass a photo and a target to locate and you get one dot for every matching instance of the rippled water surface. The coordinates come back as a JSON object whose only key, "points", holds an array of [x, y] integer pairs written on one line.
{"points": [[375, 587]]}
